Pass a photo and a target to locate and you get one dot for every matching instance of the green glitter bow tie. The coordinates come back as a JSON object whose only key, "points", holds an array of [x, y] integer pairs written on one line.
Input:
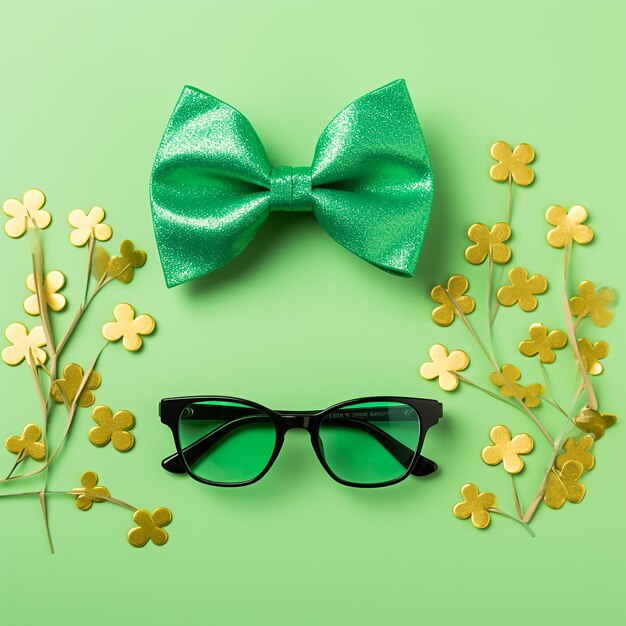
{"points": [[370, 184]]}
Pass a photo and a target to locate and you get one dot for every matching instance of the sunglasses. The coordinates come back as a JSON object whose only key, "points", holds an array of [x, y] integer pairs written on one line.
{"points": [[367, 442]]}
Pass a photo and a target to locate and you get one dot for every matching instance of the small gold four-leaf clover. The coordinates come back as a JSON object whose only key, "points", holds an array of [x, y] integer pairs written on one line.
{"points": [[593, 303], [443, 366], [542, 343], [28, 444], [113, 428], [23, 344], [594, 422], [507, 379], [26, 214], [445, 313], [88, 225], [123, 267], [591, 353], [564, 485], [577, 451], [522, 289], [512, 163], [128, 327], [475, 505], [90, 492], [506, 450], [568, 226], [52, 284], [149, 527], [66, 388], [488, 243]]}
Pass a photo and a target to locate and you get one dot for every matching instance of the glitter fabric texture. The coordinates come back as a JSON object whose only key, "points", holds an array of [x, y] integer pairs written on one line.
{"points": [[370, 184]]}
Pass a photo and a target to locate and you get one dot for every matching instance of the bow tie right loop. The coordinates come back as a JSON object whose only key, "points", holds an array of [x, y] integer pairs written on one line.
{"points": [[290, 189]]}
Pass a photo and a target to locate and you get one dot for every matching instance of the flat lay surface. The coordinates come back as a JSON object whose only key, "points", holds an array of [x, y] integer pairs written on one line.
{"points": [[297, 322]]}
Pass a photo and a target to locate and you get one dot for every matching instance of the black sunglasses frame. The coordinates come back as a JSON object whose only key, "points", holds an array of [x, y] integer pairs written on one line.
{"points": [[429, 412]]}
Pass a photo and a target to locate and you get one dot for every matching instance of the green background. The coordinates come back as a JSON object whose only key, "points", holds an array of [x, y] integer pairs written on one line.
{"points": [[297, 322]]}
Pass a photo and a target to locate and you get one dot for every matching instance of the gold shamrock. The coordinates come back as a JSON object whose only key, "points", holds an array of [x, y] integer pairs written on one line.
{"points": [[592, 303], [28, 444], [443, 365], [564, 485], [23, 344], [457, 286], [52, 283], [522, 289], [594, 422], [67, 387], [591, 353], [531, 395], [123, 267], [149, 527], [512, 163], [543, 343], [90, 492], [488, 243], [568, 226], [507, 381], [475, 505], [112, 428], [506, 450], [128, 326], [577, 451], [26, 214], [88, 225]]}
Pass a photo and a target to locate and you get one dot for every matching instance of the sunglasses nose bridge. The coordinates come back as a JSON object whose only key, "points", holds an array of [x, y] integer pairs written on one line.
{"points": [[297, 421]]}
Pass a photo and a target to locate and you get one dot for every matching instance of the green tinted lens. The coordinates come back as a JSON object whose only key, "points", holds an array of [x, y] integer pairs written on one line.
{"points": [[370, 443], [226, 442]]}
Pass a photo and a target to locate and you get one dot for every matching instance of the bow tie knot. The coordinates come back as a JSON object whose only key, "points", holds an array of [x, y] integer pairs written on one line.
{"points": [[290, 189]]}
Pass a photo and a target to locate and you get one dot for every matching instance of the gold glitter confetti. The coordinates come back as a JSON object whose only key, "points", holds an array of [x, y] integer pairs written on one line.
{"points": [[26, 214], [87, 225], [542, 343], [591, 353], [149, 527], [101, 260], [67, 387], [112, 428], [91, 492], [475, 505], [123, 267], [512, 163], [593, 303], [568, 226], [443, 366], [457, 286], [522, 289], [506, 450], [52, 284], [128, 327], [23, 343], [488, 243], [577, 451], [28, 444], [594, 422], [564, 485]]}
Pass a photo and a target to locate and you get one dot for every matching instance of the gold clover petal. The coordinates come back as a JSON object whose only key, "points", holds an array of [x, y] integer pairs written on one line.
{"points": [[28, 444], [24, 343], [455, 292], [443, 366], [488, 243], [568, 226], [593, 304], [100, 264], [91, 492], [66, 388], [506, 380], [128, 327], [112, 428], [149, 527], [591, 353], [564, 485], [522, 289], [123, 267], [594, 422], [475, 505], [577, 451], [512, 163], [53, 282], [506, 450], [542, 343], [88, 225], [26, 214]]}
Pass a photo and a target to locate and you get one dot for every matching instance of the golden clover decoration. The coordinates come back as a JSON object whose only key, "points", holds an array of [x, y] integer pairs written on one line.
{"points": [[475, 505], [488, 243], [90, 491], [568, 226], [28, 444], [52, 284], [512, 163], [150, 527], [563, 485], [448, 297], [28, 213], [88, 225], [522, 289], [594, 422], [443, 366], [593, 303], [507, 380], [123, 267], [507, 450], [542, 343], [24, 344], [113, 428], [65, 389], [128, 327], [591, 354], [577, 451]]}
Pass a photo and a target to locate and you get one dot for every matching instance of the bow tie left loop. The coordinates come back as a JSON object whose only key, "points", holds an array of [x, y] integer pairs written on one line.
{"points": [[290, 189]]}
